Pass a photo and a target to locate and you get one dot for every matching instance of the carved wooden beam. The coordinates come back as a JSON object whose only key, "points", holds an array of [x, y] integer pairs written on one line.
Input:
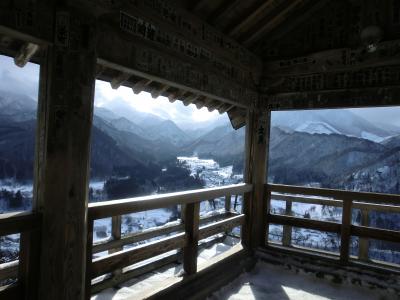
{"points": [[225, 108], [175, 96], [189, 99], [214, 105], [349, 98], [157, 92], [25, 54], [140, 85], [116, 82]]}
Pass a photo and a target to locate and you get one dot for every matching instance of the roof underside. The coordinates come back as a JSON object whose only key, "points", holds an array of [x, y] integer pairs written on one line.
{"points": [[250, 22]]}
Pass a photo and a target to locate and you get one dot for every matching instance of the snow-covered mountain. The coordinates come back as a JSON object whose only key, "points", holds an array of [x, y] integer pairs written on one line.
{"points": [[168, 130], [330, 122], [14, 106]]}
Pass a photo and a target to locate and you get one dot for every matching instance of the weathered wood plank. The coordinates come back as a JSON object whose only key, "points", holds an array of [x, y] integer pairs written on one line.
{"points": [[287, 230], [376, 233], [250, 136], [128, 257], [152, 232], [64, 149], [26, 52], [9, 270], [304, 223], [363, 244], [258, 14], [337, 194], [137, 237], [336, 203], [17, 222], [119, 207], [220, 226], [125, 276], [228, 204], [191, 223], [345, 231]]}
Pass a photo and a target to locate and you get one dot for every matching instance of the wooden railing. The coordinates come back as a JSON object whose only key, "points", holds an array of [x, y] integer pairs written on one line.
{"points": [[347, 200], [183, 234], [26, 269]]}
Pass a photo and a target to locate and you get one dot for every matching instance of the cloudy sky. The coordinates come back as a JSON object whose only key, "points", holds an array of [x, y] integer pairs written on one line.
{"points": [[26, 81]]}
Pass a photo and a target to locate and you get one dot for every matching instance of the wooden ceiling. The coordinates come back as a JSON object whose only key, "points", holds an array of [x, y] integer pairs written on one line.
{"points": [[252, 21]]}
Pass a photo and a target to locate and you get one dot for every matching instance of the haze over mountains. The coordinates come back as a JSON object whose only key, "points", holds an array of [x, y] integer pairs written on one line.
{"points": [[333, 148]]}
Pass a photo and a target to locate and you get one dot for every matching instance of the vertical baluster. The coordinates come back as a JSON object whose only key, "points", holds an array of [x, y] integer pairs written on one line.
{"points": [[267, 211], [89, 248], [116, 235], [345, 231], [227, 203], [287, 230], [191, 222], [227, 208], [363, 247]]}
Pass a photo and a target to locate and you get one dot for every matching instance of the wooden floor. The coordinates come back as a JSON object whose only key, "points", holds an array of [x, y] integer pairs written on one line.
{"points": [[270, 282], [148, 284]]}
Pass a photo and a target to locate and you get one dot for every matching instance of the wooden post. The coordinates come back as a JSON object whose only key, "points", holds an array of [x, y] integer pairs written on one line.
{"points": [[115, 232], [227, 203], [363, 245], [345, 232], [191, 220], [287, 230], [66, 103], [245, 232], [116, 235], [257, 138]]}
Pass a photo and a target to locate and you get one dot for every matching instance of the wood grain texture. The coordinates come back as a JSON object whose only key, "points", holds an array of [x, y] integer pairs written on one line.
{"points": [[119, 207], [304, 223], [128, 257], [345, 232], [338, 194], [191, 223]]}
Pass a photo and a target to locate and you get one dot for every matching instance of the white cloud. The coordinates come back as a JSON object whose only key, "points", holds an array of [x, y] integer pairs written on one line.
{"points": [[144, 102], [22, 80]]}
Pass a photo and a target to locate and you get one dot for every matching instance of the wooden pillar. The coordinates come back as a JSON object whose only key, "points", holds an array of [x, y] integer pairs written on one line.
{"points": [[65, 120], [257, 140]]}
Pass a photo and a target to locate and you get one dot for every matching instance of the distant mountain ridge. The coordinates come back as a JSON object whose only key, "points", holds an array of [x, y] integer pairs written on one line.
{"points": [[332, 122], [329, 153]]}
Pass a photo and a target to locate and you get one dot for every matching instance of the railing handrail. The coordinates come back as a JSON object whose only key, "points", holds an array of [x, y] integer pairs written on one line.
{"points": [[105, 209], [336, 194], [17, 222]]}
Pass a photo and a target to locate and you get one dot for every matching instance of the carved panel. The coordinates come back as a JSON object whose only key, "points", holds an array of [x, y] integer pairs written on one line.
{"points": [[336, 25]]}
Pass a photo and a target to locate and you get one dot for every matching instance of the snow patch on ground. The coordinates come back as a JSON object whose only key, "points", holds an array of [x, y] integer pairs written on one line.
{"points": [[270, 282]]}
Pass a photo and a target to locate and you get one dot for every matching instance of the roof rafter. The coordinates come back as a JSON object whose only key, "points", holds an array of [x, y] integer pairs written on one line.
{"points": [[258, 13], [225, 8], [263, 29]]}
